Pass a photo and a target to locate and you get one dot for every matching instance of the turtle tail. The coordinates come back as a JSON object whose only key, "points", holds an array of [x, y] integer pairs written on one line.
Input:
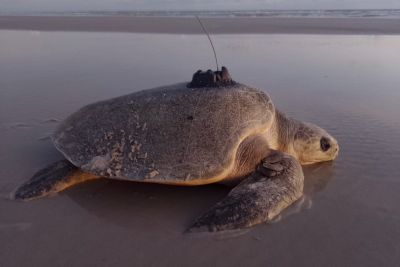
{"points": [[52, 179]]}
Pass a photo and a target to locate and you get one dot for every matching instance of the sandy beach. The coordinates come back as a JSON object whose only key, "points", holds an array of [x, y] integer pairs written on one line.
{"points": [[214, 25], [341, 74]]}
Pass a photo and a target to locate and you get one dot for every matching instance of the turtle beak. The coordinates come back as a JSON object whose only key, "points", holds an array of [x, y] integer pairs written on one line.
{"points": [[335, 149]]}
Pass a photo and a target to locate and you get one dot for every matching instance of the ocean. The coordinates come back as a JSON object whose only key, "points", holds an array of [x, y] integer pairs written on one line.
{"points": [[334, 13]]}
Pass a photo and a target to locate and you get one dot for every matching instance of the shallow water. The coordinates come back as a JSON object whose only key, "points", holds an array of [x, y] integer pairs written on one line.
{"points": [[346, 84]]}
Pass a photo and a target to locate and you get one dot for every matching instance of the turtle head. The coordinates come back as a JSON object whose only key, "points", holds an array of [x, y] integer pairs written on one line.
{"points": [[313, 144]]}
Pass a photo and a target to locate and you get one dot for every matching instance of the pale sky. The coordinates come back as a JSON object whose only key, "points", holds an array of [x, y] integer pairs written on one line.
{"points": [[93, 5]]}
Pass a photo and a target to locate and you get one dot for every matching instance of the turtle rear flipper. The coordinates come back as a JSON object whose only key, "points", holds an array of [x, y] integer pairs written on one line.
{"points": [[52, 179], [276, 184]]}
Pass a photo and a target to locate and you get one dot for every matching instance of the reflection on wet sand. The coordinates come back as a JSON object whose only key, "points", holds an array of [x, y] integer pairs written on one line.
{"points": [[317, 177], [128, 204]]}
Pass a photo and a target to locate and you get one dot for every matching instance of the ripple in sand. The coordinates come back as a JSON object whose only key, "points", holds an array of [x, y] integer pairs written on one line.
{"points": [[51, 120], [19, 125], [45, 137]]}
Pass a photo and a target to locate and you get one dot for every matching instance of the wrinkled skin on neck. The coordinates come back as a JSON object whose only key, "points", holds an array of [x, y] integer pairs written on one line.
{"points": [[307, 142]]}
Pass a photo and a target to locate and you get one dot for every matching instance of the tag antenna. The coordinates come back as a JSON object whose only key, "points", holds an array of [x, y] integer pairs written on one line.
{"points": [[209, 38]]}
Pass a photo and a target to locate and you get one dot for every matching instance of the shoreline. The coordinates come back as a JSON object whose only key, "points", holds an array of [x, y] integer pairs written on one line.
{"points": [[187, 25]]}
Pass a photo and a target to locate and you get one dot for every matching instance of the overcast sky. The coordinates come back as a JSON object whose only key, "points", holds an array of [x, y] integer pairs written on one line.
{"points": [[78, 5]]}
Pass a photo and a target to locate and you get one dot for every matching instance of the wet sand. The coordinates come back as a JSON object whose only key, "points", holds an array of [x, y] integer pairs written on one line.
{"points": [[214, 25], [347, 84]]}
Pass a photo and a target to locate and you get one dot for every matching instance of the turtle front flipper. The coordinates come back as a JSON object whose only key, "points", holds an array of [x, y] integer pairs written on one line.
{"points": [[52, 179], [276, 184]]}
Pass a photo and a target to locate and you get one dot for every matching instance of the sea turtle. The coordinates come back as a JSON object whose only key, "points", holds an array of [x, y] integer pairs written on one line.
{"points": [[211, 130]]}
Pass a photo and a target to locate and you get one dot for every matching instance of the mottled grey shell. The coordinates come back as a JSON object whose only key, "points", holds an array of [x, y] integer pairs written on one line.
{"points": [[170, 133]]}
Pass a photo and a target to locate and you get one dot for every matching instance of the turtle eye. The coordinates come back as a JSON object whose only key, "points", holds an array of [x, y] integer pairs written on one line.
{"points": [[325, 145]]}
